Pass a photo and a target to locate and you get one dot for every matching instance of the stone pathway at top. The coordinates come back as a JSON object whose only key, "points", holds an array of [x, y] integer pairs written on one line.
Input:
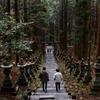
{"points": [[51, 93]]}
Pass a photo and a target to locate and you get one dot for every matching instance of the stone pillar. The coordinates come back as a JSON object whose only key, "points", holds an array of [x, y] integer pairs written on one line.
{"points": [[82, 70], [31, 69], [54, 49], [22, 81], [29, 53], [35, 67], [77, 71], [87, 77], [43, 48], [27, 74]]}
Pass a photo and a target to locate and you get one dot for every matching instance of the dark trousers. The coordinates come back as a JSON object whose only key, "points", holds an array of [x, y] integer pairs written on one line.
{"points": [[44, 86], [57, 86]]}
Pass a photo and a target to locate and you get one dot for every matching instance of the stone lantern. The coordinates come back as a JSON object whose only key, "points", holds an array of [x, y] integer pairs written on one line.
{"points": [[96, 79], [7, 86]]}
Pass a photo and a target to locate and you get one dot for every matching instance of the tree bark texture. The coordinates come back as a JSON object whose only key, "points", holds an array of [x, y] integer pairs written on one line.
{"points": [[8, 7], [83, 28], [98, 34], [63, 25]]}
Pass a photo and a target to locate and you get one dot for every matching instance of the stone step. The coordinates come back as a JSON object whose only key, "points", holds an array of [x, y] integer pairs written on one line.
{"points": [[52, 96], [52, 85], [52, 82], [55, 93], [51, 90], [47, 97]]}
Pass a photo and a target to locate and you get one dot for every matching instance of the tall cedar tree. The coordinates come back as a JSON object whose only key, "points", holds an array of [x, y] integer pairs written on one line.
{"points": [[98, 34], [82, 28], [63, 25]]}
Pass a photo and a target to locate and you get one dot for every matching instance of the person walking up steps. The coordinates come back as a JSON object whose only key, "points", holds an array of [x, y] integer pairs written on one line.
{"points": [[44, 78], [58, 78]]}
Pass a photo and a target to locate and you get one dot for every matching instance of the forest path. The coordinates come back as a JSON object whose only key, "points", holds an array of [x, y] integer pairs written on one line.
{"points": [[51, 94]]}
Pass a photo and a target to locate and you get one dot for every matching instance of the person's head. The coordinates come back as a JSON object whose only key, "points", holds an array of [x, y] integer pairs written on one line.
{"points": [[44, 68], [57, 70]]}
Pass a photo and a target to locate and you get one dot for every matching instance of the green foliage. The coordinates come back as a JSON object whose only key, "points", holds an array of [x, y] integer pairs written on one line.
{"points": [[6, 62], [3, 48], [19, 46], [37, 11], [2, 9], [8, 26], [8, 31]]}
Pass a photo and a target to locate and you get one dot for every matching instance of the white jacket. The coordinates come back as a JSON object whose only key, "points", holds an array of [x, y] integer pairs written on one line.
{"points": [[58, 77]]}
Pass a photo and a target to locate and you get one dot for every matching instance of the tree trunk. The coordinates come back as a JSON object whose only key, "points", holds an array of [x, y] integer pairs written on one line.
{"points": [[25, 10], [83, 28], [65, 24], [78, 49], [98, 34], [88, 28], [51, 31], [16, 11], [61, 24], [8, 7], [17, 33]]}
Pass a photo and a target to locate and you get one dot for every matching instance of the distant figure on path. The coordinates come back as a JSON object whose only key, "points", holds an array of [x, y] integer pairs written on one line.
{"points": [[44, 77], [58, 79]]}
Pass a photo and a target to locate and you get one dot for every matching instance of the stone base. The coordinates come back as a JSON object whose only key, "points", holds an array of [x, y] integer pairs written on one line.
{"points": [[95, 91], [73, 97], [22, 83], [9, 90]]}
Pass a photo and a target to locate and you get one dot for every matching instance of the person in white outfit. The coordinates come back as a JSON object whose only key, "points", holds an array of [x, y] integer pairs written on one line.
{"points": [[58, 79]]}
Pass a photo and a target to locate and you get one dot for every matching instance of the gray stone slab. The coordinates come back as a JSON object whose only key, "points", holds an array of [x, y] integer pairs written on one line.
{"points": [[53, 86], [46, 97], [34, 97], [51, 90]]}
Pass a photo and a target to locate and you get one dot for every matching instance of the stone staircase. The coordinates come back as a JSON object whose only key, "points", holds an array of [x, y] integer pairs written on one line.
{"points": [[51, 93]]}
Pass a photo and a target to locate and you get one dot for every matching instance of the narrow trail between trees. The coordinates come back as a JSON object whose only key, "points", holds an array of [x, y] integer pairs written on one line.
{"points": [[51, 94]]}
